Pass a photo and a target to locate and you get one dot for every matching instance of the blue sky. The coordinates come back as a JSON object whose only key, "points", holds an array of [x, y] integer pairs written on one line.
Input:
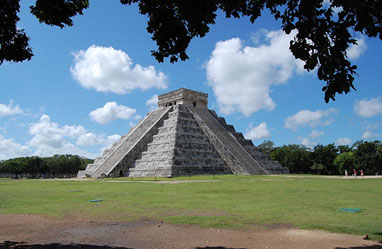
{"points": [[89, 84]]}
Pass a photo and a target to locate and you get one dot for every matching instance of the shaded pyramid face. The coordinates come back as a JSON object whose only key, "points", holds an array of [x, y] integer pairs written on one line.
{"points": [[182, 139]]}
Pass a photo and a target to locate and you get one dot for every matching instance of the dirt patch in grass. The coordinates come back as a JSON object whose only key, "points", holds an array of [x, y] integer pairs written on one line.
{"points": [[32, 232]]}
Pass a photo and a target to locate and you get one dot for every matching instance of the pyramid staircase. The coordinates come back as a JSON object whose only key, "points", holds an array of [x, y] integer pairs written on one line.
{"points": [[271, 166], [124, 152]]}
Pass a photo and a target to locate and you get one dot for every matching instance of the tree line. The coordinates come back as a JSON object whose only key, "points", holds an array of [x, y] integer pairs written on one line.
{"points": [[321, 159], [327, 159], [36, 167]]}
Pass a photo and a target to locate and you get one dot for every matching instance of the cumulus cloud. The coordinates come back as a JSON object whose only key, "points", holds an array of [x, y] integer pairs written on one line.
{"points": [[94, 139], [368, 108], [87, 139], [109, 140], [50, 138], [11, 149], [10, 109], [258, 132], [110, 112], [316, 133], [369, 134], [152, 103], [307, 117], [355, 51], [306, 142], [242, 76], [106, 69], [343, 141]]}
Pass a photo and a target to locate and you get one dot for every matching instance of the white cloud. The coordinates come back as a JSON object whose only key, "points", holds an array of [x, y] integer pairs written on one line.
{"points": [[258, 132], [242, 76], [307, 117], [93, 139], [152, 103], [9, 109], [369, 134], [87, 139], [316, 133], [343, 141], [110, 112], [50, 138], [106, 69], [109, 140], [306, 142], [368, 108], [355, 51], [11, 149], [259, 36]]}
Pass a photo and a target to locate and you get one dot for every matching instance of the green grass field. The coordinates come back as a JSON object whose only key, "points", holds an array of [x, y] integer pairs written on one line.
{"points": [[231, 202]]}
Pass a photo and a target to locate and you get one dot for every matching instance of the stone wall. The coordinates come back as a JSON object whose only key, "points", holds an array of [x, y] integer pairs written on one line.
{"points": [[183, 96]]}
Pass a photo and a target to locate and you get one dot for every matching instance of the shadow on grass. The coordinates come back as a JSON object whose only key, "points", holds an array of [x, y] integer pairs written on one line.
{"points": [[24, 245]]}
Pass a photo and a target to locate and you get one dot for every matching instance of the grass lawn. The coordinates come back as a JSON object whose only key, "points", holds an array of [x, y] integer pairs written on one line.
{"points": [[230, 202]]}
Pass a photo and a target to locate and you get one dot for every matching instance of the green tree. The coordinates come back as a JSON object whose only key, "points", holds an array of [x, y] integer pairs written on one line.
{"points": [[295, 157], [15, 166], [323, 157], [321, 41], [319, 168], [368, 156], [344, 148], [14, 43], [56, 165], [267, 146], [344, 161]]}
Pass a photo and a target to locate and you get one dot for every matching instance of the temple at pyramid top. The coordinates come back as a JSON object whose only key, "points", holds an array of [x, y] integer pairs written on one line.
{"points": [[183, 96], [182, 137]]}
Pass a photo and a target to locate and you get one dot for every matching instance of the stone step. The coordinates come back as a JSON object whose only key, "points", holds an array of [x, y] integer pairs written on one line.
{"points": [[247, 164], [123, 149]]}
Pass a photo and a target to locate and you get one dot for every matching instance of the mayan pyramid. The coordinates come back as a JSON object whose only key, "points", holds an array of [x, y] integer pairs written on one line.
{"points": [[182, 137]]}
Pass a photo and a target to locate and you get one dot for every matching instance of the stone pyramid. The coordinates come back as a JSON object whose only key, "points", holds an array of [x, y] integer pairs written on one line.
{"points": [[182, 137]]}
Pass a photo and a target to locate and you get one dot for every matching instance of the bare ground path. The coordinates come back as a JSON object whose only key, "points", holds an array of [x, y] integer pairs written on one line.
{"points": [[36, 232]]}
